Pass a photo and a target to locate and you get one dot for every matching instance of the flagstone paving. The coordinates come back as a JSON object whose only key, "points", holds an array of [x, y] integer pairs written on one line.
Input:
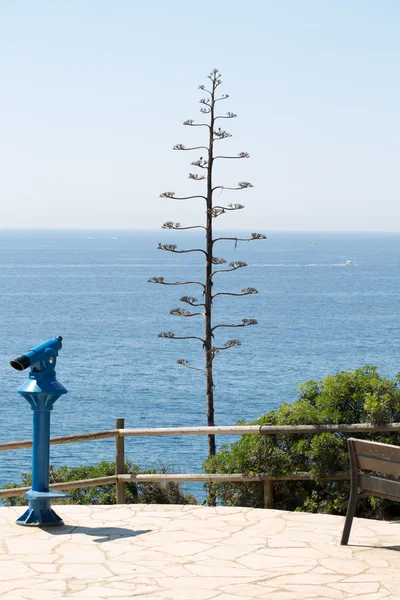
{"points": [[166, 552]]}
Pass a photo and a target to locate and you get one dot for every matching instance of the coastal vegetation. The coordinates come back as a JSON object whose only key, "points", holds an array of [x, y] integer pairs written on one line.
{"points": [[213, 209], [358, 396], [135, 493]]}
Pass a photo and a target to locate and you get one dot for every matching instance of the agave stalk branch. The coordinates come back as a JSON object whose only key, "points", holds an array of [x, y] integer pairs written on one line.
{"points": [[160, 280], [254, 236], [178, 226], [185, 363], [244, 292], [172, 248], [244, 323], [171, 336]]}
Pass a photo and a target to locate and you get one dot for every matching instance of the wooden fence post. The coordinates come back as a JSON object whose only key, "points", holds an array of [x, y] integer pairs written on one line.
{"points": [[268, 494], [120, 462]]}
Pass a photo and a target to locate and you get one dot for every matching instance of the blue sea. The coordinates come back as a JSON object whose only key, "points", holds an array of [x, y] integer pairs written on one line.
{"points": [[316, 316]]}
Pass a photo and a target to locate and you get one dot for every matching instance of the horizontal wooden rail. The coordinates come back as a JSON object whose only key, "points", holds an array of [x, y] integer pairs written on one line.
{"points": [[64, 439], [259, 430], [226, 477], [65, 485], [178, 431], [341, 428], [223, 430], [165, 477]]}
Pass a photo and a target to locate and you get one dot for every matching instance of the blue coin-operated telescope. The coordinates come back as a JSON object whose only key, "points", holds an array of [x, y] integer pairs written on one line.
{"points": [[41, 390]]}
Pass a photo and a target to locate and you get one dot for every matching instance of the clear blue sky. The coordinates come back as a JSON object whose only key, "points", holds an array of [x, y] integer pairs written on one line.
{"points": [[93, 94]]}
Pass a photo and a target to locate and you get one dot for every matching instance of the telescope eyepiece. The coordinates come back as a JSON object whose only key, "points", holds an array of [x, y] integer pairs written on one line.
{"points": [[20, 363]]}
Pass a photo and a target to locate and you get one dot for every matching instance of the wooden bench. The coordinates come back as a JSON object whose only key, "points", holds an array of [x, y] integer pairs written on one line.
{"points": [[371, 456]]}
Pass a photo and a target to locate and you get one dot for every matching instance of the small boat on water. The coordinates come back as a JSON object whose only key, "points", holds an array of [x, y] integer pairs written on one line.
{"points": [[350, 263]]}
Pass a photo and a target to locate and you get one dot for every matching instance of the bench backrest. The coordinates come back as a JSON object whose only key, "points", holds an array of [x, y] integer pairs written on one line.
{"points": [[380, 458]]}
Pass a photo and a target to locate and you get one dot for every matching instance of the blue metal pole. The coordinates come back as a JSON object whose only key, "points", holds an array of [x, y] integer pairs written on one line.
{"points": [[41, 450], [40, 512]]}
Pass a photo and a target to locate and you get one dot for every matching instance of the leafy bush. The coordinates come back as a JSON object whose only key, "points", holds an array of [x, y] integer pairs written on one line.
{"points": [[136, 493], [347, 397]]}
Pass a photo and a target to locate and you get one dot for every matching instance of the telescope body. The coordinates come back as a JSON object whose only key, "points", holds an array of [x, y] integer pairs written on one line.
{"points": [[45, 353]]}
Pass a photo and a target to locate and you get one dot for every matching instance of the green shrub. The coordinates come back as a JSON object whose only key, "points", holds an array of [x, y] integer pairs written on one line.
{"points": [[347, 397], [136, 493]]}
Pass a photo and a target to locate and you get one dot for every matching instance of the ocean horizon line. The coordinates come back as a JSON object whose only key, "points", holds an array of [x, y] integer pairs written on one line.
{"points": [[160, 229]]}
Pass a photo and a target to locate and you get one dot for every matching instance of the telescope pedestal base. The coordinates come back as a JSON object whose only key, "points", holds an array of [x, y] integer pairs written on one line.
{"points": [[40, 513], [37, 516]]}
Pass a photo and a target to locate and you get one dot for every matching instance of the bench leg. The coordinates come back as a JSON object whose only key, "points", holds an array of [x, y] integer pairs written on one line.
{"points": [[349, 515]]}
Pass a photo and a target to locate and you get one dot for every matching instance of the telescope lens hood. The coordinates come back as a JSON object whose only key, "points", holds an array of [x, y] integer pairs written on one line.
{"points": [[21, 363]]}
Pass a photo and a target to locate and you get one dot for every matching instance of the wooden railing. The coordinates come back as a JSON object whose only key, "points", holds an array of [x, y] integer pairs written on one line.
{"points": [[120, 433]]}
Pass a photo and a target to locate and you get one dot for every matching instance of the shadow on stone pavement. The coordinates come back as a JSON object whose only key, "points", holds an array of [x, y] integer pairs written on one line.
{"points": [[104, 534]]}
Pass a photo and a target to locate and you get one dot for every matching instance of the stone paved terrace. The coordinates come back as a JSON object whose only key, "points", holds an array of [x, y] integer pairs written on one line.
{"points": [[191, 552]]}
